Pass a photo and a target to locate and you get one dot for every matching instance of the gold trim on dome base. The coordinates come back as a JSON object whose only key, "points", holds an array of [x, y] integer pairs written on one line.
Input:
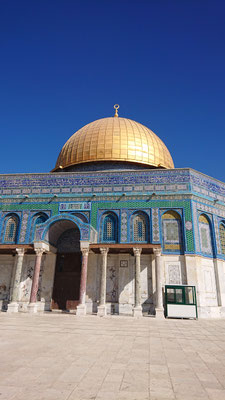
{"points": [[114, 139]]}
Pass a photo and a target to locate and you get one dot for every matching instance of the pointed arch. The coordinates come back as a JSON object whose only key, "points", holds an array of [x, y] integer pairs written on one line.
{"points": [[172, 232], [40, 218], [139, 226], [205, 231], [42, 231], [11, 228], [109, 227], [222, 236], [37, 219]]}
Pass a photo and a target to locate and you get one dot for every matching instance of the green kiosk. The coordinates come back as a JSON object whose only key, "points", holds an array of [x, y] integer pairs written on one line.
{"points": [[181, 301]]}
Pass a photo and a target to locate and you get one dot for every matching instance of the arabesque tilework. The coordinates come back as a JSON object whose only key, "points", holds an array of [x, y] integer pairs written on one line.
{"points": [[222, 238], [131, 206], [172, 232], [217, 236], [151, 191]]}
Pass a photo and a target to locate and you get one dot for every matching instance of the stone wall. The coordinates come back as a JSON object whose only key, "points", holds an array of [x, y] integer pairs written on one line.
{"points": [[7, 270], [6, 275], [120, 283], [177, 269], [207, 274]]}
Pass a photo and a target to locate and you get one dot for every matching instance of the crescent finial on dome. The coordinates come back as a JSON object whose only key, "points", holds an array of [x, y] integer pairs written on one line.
{"points": [[116, 107]]}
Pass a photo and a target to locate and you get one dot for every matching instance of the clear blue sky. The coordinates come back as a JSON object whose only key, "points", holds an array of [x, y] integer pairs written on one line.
{"points": [[65, 63]]}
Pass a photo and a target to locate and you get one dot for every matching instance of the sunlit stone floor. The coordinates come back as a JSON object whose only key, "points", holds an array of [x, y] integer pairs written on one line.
{"points": [[67, 357]]}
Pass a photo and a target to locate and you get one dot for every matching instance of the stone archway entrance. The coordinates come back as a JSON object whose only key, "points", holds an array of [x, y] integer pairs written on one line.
{"points": [[66, 236]]}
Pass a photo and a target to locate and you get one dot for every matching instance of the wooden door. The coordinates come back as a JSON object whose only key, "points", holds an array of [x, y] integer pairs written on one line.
{"points": [[67, 281]]}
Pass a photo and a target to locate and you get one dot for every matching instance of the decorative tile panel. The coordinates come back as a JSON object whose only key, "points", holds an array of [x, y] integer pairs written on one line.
{"points": [[195, 217], [155, 225], [23, 226], [217, 236], [205, 236], [172, 235], [222, 238], [123, 237]]}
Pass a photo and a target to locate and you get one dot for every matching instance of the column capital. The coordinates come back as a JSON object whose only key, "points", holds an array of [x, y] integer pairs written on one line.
{"points": [[137, 251], [39, 252], [157, 251], [85, 251], [104, 250], [20, 251]]}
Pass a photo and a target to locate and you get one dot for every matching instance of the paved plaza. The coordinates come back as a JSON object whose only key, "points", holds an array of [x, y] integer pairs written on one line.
{"points": [[65, 357]]}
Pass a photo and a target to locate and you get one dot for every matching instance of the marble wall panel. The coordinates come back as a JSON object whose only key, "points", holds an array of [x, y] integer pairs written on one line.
{"points": [[124, 278], [112, 279], [6, 271], [145, 265], [47, 280], [207, 294], [26, 278], [93, 282], [174, 269], [221, 277]]}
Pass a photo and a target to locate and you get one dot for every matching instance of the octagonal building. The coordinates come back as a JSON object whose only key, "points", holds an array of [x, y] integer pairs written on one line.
{"points": [[112, 229]]}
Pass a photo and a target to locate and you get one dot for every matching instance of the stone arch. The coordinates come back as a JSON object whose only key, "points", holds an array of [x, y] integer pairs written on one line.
{"points": [[42, 232], [65, 234], [172, 234]]}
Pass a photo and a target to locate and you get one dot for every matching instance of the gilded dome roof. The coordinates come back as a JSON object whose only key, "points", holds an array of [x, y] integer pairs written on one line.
{"points": [[114, 139]]}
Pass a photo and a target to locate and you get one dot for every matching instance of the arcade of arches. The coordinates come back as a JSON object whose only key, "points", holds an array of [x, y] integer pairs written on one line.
{"points": [[103, 283]]}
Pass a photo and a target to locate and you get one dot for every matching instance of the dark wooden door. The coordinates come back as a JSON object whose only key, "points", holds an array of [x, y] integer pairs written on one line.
{"points": [[67, 281]]}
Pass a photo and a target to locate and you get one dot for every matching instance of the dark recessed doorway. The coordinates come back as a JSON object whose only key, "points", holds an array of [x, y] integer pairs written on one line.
{"points": [[66, 289]]}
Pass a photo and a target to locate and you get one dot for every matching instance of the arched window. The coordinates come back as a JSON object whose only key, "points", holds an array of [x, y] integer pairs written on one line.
{"points": [[172, 232], [205, 235], [40, 219], [109, 230], [222, 237], [37, 219], [139, 228], [11, 229]]}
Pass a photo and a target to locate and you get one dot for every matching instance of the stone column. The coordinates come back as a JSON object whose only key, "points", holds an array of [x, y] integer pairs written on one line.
{"points": [[32, 306], [159, 310], [217, 280], [102, 311], [14, 305], [81, 308], [137, 310]]}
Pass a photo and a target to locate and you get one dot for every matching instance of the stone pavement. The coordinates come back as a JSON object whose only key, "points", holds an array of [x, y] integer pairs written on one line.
{"points": [[52, 357]]}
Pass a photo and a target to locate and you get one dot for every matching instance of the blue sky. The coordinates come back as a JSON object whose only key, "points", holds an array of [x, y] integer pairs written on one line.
{"points": [[66, 63]]}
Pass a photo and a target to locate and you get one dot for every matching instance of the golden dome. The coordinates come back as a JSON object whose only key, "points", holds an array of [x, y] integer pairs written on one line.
{"points": [[114, 139]]}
